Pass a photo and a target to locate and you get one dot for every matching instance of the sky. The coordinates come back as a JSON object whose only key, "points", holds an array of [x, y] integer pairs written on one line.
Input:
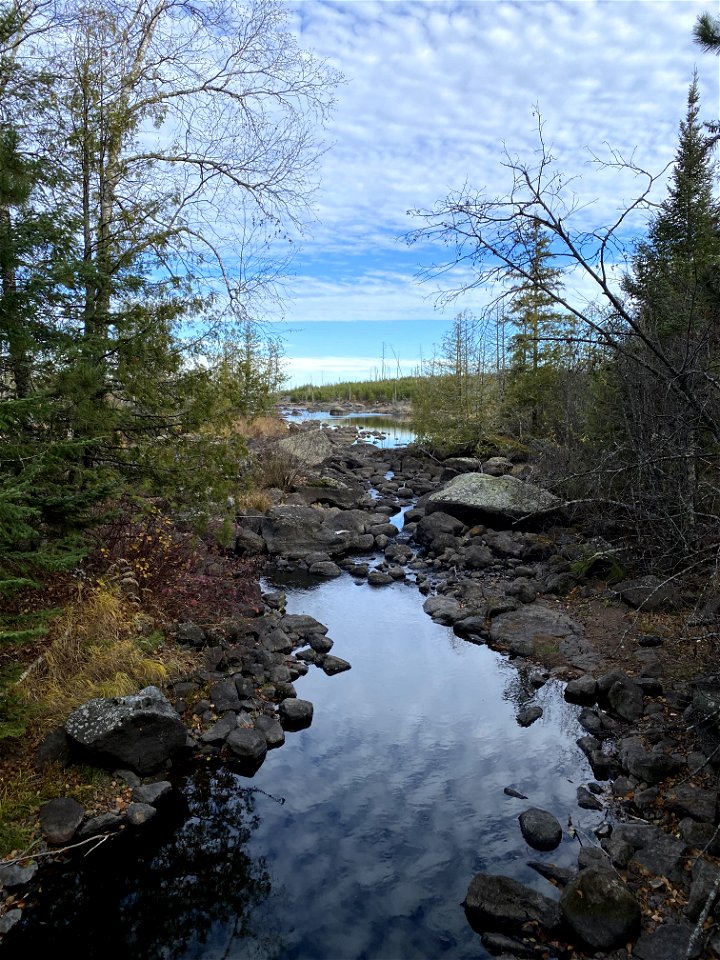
{"points": [[433, 93]]}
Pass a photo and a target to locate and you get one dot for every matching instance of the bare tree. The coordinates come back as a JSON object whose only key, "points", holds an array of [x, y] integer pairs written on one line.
{"points": [[662, 334]]}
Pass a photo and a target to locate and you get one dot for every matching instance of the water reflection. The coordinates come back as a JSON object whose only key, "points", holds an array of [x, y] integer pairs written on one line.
{"points": [[382, 430], [393, 799], [159, 893]]}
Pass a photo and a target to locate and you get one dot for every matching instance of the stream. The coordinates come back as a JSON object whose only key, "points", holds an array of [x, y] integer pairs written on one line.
{"points": [[357, 839]]}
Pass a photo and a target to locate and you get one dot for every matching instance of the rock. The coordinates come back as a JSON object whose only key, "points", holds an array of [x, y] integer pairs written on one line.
{"points": [[435, 528], [512, 792], [593, 857], [295, 714], [9, 920], [103, 823], [689, 801], [301, 624], [478, 497], [332, 665], [586, 800], [648, 593], [560, 876], [533, 630], [59, 819], [476, 556], [474, 628], [142, 731], [497, 466], [600, 909], [527, 716], [152, 792], [219, 731], [443, 609], [650, 766], [325, 568], [191, 634], [248, 543], [248, 744], [704, 877], [55, 748], [320, 643], [138, 814], [309, 448], [540, 829], [626, 699], [224, 696], [271, 729], [376, 578], [583, 690], [669, 941], [500, 903], [12, 875]]}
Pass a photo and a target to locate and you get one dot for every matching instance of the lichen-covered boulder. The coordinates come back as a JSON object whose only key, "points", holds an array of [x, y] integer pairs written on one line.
{"points": [[480, 496], [141, 731]]}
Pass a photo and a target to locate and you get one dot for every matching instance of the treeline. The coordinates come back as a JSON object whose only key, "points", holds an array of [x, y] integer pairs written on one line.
{"points": [[151, 154], [619, 396], [402, 389]]}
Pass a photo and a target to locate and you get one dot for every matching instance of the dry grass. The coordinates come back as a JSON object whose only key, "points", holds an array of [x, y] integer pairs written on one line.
{"points": [[254, 500], [96, 651], [257, 428]]}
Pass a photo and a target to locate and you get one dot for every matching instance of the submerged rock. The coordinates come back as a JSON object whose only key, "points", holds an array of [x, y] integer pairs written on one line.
{"points": [[500, 903]]}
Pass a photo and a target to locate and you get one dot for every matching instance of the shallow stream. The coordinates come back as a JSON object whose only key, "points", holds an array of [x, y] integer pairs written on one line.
{"points": [[357, 839]]}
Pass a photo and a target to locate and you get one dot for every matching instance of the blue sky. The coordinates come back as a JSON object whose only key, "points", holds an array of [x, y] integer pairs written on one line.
{"points": [[434, 91]]}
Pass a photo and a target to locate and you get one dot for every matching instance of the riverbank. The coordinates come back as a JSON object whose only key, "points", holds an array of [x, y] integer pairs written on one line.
{"points": [[532, 594]]}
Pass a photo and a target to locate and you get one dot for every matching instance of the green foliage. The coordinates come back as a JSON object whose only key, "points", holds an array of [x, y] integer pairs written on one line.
{"points": [[362, 391]]}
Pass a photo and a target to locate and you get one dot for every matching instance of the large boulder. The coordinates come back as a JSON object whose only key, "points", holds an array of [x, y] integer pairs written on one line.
{"points": [[294, 531], [534, 630], [142, 731], [600, 909], [480, 497], [309, 448]]}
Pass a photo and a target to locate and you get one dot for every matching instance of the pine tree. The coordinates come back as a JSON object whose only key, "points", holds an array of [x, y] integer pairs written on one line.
{"points": [[539, 346]]}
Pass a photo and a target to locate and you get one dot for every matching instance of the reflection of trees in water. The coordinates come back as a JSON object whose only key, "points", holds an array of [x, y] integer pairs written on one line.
{"points": [[153, 895]]}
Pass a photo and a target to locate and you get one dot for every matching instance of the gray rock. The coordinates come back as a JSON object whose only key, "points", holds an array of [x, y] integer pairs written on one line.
{"points": [[600, 909], [224, 696], [271, 729], [103, 823], [540, 829], [648, 593], [249, 544], [219, 731], [247, 744], [138, 814], [152, 792], [9, 920], [13, 875], [59, 819], [650, 766], [582, 690], [320, 643], [586, 800], [500, 903], [191, 634], [302, 624], [593, 857], [504, 498], [689, 801], [533, 630], [436, 526], [142, 731], [332, 665], [295, 714], [444, 610], [497, 466], [528, 715], [474, 628], [669, 941], [704, 878], [626, 699], [376, 578], [551, 871], [309, 448], [326, 568]]}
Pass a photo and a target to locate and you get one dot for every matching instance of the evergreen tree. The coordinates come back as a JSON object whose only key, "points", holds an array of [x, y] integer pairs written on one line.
{"points": [[540, 346]]}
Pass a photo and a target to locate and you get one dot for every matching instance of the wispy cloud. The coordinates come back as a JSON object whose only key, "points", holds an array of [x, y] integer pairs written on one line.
{"points": [[435, 92]]}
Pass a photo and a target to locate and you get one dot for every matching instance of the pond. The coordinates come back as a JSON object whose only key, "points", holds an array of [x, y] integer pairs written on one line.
{"points": [[382, 430], [358, 838]]}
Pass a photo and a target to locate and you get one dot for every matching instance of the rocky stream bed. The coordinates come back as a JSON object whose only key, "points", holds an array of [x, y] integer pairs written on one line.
{"points": [[493, 559]]}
